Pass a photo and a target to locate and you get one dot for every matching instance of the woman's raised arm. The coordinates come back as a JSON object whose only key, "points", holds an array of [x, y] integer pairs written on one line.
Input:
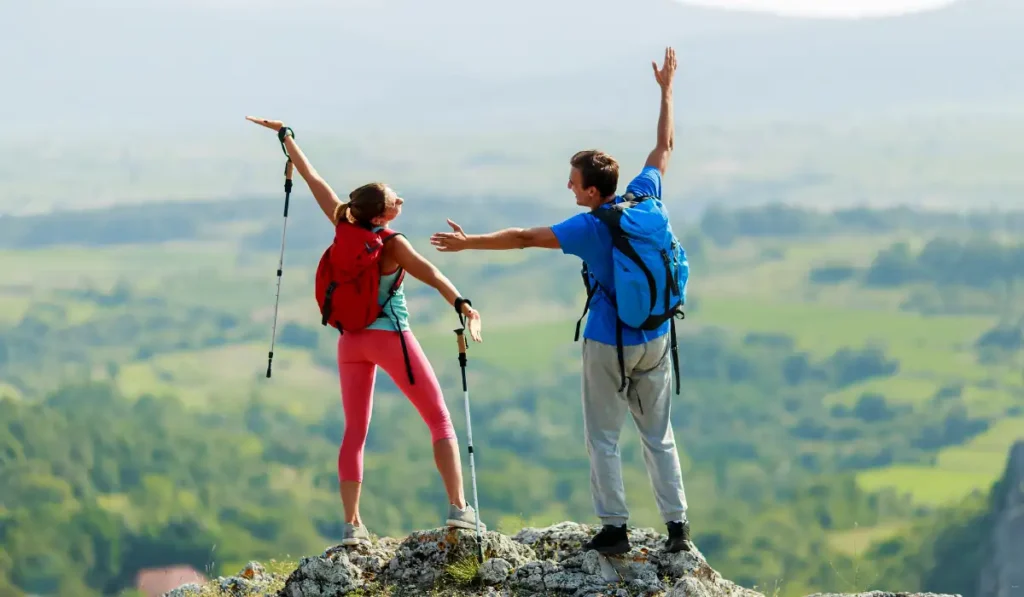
{"points": [[322, 192]]}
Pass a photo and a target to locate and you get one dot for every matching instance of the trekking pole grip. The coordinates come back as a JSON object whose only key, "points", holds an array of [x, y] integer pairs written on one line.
{"points": [[460, 334], [289, 167]]}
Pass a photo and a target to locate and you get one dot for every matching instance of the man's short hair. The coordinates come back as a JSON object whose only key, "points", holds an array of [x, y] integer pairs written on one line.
{"points": [[598, 169]]}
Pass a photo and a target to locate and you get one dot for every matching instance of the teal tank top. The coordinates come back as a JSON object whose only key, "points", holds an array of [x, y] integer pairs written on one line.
{"points": [[395, 309]]}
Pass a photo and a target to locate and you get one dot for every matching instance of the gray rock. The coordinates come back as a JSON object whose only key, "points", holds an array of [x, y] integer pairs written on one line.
{"points": [[1003, 575], [251, 581], [331, 574], [372, 559], [425, 558], [545, 561], [186, 590], [494, 572], [570, 571], [596, 564], [556, 542], [642, 571], [883, 594]]}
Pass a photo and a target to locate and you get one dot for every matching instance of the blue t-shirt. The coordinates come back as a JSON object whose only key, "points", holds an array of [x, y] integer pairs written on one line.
{"points": [[584, 236]]}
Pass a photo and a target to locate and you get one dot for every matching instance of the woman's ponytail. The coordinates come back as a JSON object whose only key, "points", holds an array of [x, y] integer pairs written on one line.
{"points": [[343, 211]]}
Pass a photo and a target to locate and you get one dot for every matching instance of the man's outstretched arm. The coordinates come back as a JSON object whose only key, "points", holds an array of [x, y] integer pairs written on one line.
{"points": [[510, 238], [659, 156]]}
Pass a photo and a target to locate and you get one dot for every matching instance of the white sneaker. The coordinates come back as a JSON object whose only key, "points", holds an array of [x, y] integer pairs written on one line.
{"points": [[463, 519], [355, 535]]}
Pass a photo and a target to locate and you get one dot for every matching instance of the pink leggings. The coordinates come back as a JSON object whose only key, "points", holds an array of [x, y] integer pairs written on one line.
{"points": [[359, 354]]}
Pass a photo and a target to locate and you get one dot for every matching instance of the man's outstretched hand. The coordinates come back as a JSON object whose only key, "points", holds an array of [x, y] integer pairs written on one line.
{"points": [[668, 69], [449, 242]]}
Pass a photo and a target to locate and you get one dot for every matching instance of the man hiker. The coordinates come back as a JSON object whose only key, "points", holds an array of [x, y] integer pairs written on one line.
{"points": [[624, 366]]}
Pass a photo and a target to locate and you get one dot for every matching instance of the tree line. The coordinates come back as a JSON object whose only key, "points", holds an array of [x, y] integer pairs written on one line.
{"points": [[947, 275], [776, 220], [159, 222]]}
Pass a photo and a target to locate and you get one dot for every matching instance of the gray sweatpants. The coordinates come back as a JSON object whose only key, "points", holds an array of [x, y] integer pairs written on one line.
{"points": [[649, 380]]}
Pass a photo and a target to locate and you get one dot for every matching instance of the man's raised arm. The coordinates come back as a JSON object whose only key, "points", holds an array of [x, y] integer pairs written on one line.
{"points": [[661, 153]]}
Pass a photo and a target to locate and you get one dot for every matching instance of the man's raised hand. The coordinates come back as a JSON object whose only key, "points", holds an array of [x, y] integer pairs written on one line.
{"points": [[664, 75]]}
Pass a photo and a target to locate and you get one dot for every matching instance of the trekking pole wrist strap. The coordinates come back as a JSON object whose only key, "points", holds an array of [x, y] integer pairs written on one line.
{"points": [[459, 302], [281, 134]]}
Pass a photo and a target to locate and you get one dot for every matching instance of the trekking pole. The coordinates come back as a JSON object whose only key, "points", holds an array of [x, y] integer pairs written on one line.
{"points": [[469, 425], [288, 167]]}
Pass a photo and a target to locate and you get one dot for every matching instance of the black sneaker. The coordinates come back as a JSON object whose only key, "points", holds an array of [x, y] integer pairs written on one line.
{"points": [[678, 537], [610, 540]]}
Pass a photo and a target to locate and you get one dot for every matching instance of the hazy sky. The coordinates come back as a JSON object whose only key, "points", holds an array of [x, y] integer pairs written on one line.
{"points": [[827, 8]]}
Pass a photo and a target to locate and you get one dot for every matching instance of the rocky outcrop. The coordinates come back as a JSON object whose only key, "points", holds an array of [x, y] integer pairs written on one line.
{"points": [[252, 580], [536, 561], [1003, 576]]}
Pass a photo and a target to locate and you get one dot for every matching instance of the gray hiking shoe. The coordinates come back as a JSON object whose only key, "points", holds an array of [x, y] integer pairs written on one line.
{"points": [[463, 519], [355, 535]]}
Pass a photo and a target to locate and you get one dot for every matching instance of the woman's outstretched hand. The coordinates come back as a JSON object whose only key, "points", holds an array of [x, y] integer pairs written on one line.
{"points": [[473, 317], [274, 125]]}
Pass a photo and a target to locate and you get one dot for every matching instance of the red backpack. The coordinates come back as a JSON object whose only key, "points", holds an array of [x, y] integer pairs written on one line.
{"points": [[348, 277]]}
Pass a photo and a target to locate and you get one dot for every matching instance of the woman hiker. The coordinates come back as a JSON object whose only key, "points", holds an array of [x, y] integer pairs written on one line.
{"points": [[361, 352]]}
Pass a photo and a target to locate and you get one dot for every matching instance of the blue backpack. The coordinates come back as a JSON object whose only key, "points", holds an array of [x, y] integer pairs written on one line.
{"points": [[650, 271]]}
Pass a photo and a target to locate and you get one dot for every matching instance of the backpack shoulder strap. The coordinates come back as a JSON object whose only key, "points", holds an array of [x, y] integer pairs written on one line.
{"points": [[611, 215], [591, 285], [612, 218], [385, 235]]}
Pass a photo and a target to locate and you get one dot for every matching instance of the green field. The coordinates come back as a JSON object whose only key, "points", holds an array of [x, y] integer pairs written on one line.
{"points": [[13, 307], [924, 345], [220, 376], [856, 541], [958, 471], [9, 391], [917, 391]]}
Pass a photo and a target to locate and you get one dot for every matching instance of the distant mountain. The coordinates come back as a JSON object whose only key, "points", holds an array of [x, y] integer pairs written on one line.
{"points": [[128, 66]]}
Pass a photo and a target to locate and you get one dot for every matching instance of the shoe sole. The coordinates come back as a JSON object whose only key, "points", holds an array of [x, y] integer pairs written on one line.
{"points": [[354, 542], [461, 524], [614, 550]]}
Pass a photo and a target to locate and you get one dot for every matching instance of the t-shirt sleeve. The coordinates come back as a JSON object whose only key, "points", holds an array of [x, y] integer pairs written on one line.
{"points": [[648, 183], [575, 234]]}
